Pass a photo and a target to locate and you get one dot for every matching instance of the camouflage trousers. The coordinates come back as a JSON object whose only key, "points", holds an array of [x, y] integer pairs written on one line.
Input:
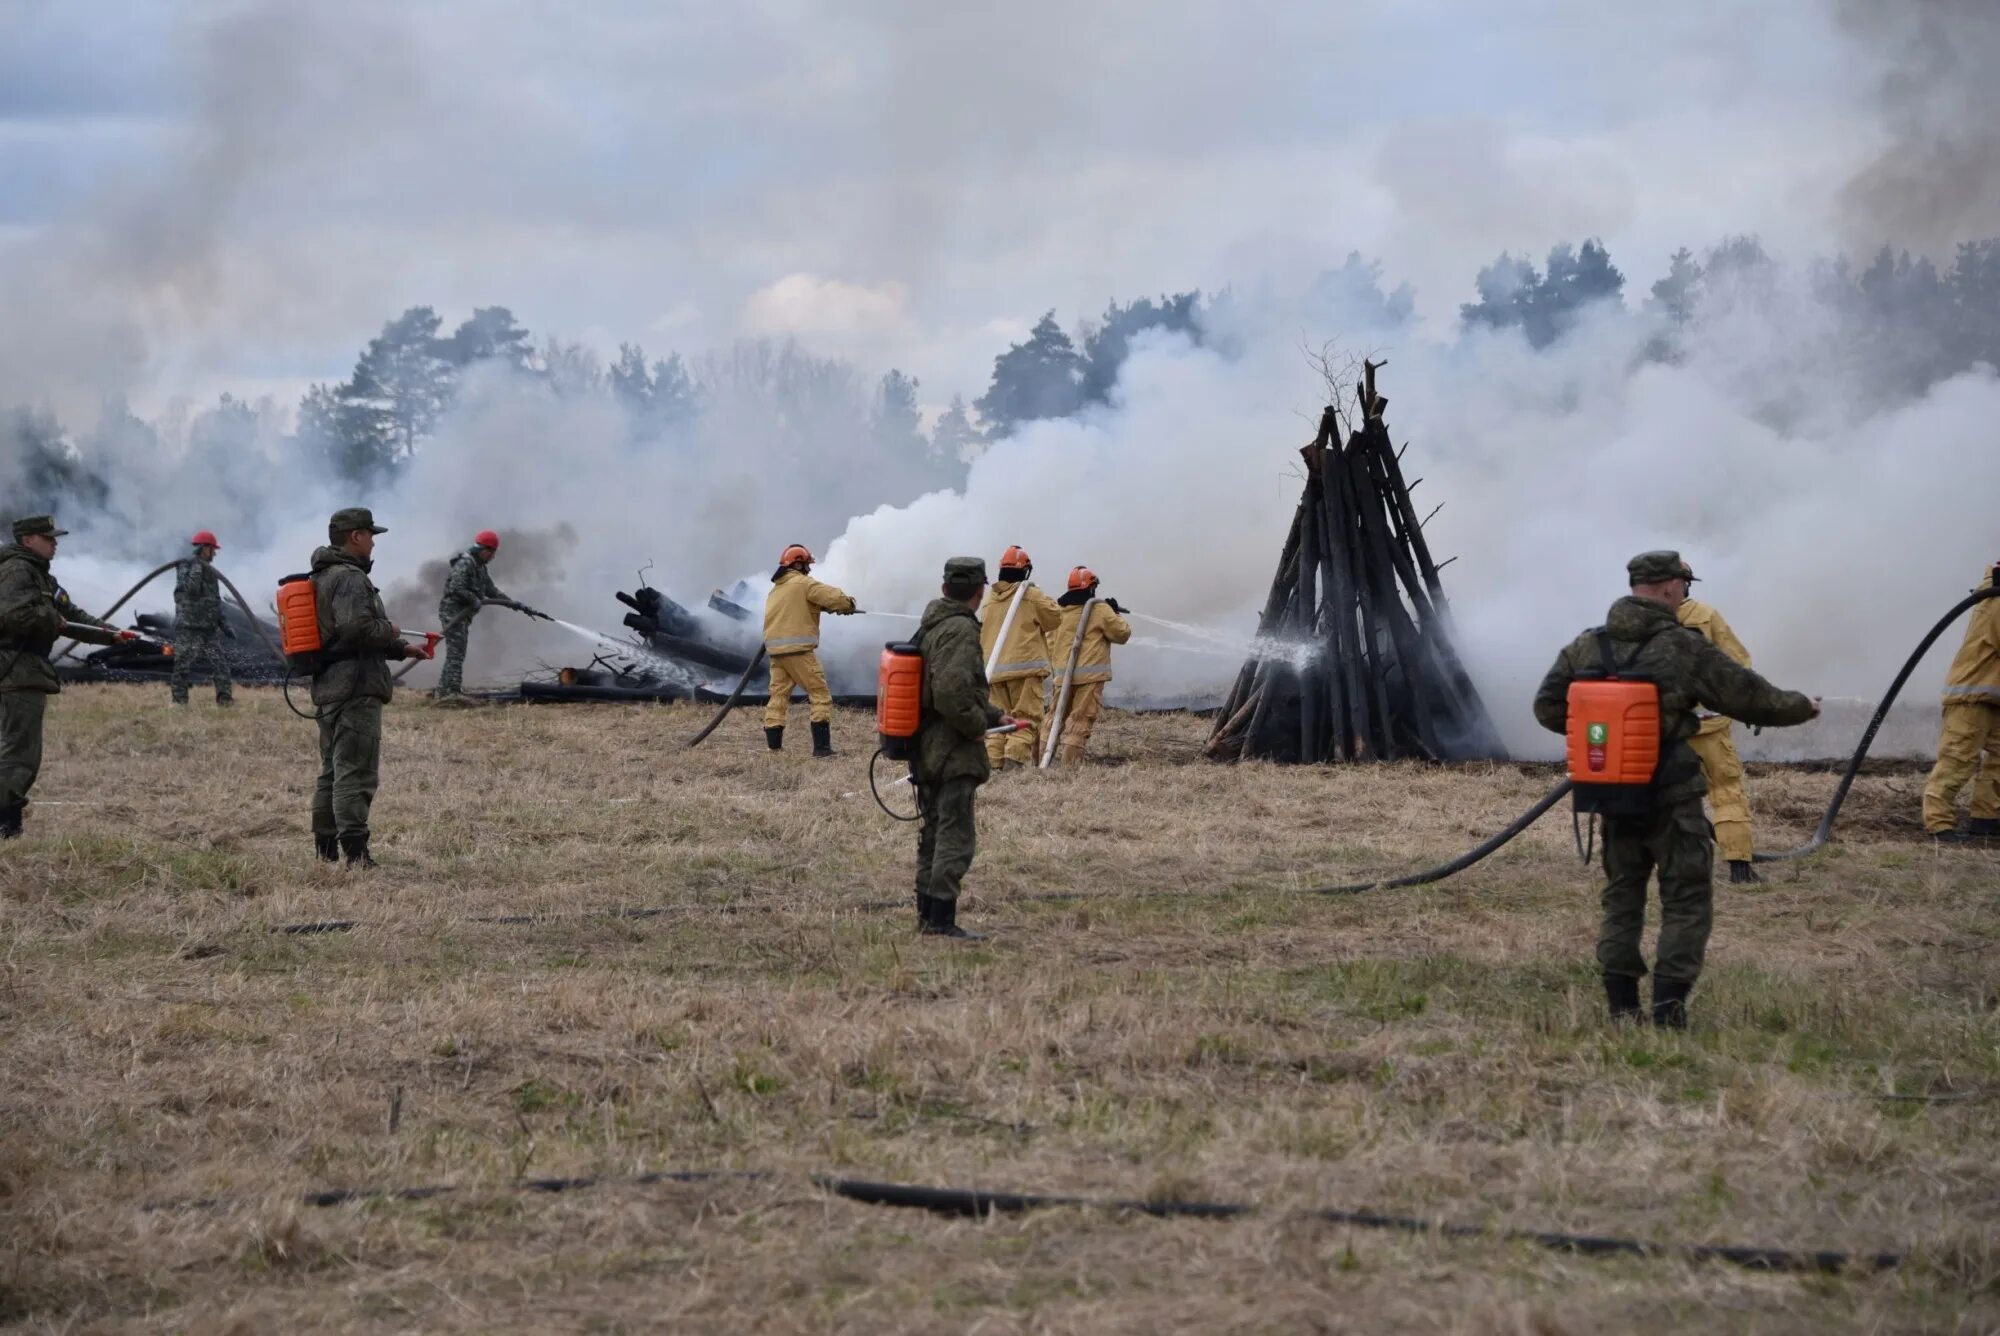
{"points": [[457, 635], [350, 766], [20, 743], [198, 652], [946, 839], [1678, 842]]}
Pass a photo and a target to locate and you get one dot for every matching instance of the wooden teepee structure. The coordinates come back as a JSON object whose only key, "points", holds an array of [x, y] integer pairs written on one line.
{"points": [[1355, 659]]}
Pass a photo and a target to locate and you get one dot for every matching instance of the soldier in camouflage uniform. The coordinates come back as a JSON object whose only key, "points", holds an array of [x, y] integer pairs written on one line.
{"points": [[351, 685], [198, 628], [466, 589], [951, 761], [34, 614], [1648, 642]]}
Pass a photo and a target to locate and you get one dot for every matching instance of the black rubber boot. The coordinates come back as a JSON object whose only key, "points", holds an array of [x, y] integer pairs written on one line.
{"points": [[1670, 1003], [774, 738], [10, 822], [923, 912], [327, 847], [1984, 828], [823, 740], [1621, 992], [1742, 874], [355, 847], [1953, 837], [944, 923]]}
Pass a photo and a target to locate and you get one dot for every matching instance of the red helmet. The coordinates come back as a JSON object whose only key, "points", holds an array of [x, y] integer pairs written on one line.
{"points": [[795, 554], [1015, 559], [204, 538], [487, 539], [1081, 577]]}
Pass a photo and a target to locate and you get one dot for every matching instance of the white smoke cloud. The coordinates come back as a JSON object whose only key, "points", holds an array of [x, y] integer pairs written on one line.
{"points": [[298, 177]]}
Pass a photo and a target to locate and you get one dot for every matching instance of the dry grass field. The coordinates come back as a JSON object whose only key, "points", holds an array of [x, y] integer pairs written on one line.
{"points": [[179, 1075]]}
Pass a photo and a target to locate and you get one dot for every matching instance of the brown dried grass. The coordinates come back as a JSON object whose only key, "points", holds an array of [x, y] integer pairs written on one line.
{"points": [[1435, 1051]]}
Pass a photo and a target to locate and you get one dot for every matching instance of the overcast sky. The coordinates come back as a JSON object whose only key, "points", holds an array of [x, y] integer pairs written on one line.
{"points": [[204, 195]]}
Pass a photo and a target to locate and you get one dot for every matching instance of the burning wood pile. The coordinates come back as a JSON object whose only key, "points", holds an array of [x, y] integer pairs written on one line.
{"points": [[1354, 659]]}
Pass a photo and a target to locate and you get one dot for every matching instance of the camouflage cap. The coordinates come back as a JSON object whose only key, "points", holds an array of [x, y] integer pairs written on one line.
{"points": [[33, 526], [965, 572], [1658, 567], [355, 517]]}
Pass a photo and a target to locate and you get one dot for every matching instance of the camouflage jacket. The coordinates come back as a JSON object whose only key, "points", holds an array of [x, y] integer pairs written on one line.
{"points": [[355, 632], [197, 597], [957, 702], [466, 587], [34, 614], [1648, 641]]}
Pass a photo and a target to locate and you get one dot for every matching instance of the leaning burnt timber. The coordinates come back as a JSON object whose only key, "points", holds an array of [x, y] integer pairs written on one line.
{"points": [[1360, 664]]}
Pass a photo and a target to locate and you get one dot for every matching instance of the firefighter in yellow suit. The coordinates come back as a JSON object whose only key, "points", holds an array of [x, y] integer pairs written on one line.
{"points": [[1715, 744], [1014, 626], [1107, 627], [791, 635], [1969, 742]]}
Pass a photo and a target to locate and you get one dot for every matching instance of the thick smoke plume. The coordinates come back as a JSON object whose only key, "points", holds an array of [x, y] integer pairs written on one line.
{"points": [[1936, 180], [1833, 501]]}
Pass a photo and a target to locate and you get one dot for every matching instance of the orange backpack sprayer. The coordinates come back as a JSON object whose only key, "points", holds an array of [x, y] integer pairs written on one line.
{"points": [[1613, 738], [899, 700], [298, 623]]}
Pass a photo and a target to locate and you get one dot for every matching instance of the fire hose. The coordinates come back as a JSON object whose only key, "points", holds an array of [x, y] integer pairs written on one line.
{"points": [[155, 574], [1068, 684], [984, 1203], [1818, 840], [723, 713]]}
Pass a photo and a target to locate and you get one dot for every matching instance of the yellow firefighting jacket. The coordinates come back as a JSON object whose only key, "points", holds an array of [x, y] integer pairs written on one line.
{"points": [[1107, 628], [1027, 650], [791, 613], [1705, 619], [1974, 678]]}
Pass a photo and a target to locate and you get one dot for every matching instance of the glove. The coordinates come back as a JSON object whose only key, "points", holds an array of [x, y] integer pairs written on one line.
{"points": [[127, 637], [1115, 606]]}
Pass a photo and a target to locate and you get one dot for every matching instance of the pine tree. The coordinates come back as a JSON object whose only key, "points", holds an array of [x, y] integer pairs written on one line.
{"points": [[1039, 378]]}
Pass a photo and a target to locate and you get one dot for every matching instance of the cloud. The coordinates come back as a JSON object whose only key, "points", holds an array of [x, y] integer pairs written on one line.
{"points": [[809, 306]]}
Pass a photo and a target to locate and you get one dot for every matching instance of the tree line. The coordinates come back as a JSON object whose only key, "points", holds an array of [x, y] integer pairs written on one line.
{"points": [[1910, 320]]}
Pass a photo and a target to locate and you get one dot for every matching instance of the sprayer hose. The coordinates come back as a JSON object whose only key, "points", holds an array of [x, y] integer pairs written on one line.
{"points": [[234, 593], [730, 704], [446, 630], [151, 576], [1555, 795]]}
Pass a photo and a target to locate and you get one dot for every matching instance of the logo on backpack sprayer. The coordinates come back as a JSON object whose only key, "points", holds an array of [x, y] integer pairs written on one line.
{"points": [[1597, 735]]}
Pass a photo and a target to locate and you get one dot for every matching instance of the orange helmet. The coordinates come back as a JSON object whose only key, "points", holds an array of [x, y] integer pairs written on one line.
{"points": [[206, 539], [487, 539], [1015, 559], [1081, 577], [794, 554]]}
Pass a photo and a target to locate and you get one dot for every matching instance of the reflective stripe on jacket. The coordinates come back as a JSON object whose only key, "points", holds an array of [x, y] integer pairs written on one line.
{"points": [[1026, 653], [792, 611], [1107, 628], [1974, 678]]}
